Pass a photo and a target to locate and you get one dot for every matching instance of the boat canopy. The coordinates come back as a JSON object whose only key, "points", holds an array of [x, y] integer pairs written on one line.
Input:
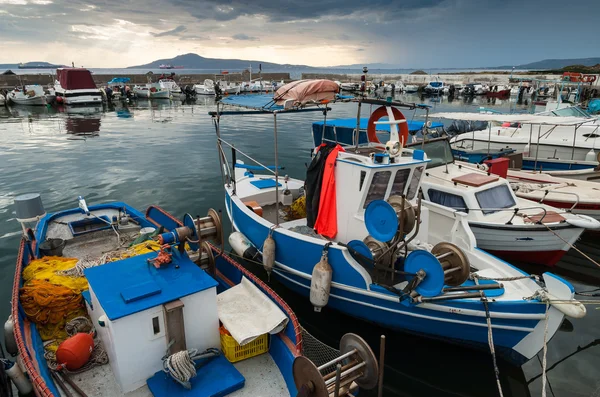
{"points": [[75, 79], [512, 118], [303, 92], [119, 80]]}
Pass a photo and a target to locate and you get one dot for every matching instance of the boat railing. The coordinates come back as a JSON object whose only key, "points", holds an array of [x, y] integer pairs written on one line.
{"points": [[547, 191]]}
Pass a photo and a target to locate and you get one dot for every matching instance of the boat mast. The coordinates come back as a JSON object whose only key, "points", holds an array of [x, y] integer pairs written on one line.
{"points": [[276, 171]]}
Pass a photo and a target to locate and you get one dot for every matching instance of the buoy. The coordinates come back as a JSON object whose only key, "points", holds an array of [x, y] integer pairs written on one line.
{"points": [[591, 156], [269, 255], [320, 283], [242, 246], [16, 375], [74, 352], [9, 337]]}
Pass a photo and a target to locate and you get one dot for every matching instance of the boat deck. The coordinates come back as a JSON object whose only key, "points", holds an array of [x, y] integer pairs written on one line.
{"points": [[262, 375]]}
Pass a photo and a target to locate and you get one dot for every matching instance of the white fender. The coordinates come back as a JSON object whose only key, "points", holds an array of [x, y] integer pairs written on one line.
{"points": [[584, 221]]}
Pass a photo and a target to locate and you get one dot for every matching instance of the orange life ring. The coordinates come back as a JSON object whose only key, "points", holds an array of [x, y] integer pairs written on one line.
{"points": [[382, 112]]}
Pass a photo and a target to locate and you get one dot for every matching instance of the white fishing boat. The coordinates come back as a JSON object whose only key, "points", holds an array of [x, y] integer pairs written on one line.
{"points": [[562, 146], [229, 88], [165, 316], [411, 88], [207, 88], [27, 95], [151, 91], [366, 237], [75, 86], [505, 225], [171, 86], [350, 87]]}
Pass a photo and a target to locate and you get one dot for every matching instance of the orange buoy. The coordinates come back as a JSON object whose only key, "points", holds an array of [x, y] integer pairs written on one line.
{"points": [[382, 112], [75, 352]]}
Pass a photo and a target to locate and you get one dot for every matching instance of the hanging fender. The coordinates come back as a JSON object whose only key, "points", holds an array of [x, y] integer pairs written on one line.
{"points": [[382, 112]]}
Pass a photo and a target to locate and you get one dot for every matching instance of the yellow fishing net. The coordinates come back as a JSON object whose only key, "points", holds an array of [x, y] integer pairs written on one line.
{"points": [[297, 210], [51, 292]]}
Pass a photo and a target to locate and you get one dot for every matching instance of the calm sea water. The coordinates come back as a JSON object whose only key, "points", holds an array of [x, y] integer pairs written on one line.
{"points": [[164, 153]]}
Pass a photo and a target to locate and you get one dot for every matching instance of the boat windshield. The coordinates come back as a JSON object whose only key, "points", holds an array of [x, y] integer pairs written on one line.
{"points": [[436, 84], [438, 151], [494, 199]]}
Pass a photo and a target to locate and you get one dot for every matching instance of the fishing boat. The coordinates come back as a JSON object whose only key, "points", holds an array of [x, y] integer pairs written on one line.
{"points": [[498, 91], [411, 88], [27, 95], [435, 88], [505, 225], [151, 91], [75, 86], [207, 88], [350, 87], [367, 246], [138, 303], [563, 146]]}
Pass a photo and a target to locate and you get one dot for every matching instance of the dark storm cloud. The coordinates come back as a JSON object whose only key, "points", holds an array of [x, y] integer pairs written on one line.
{"points": [[172, 32], [243, 36]]}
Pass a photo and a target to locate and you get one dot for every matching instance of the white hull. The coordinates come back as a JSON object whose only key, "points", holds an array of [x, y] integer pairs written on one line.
{"points": [[33, 101]]}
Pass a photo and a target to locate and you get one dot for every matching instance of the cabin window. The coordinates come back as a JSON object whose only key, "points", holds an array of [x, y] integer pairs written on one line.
{"points": [[363, 174], [379, 185], [494, 199], [400, 182], [155, 325], [447, 200], [414, 183]]}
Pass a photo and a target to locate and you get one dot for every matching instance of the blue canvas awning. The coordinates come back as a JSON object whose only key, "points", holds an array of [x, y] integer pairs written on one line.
{"points": [[119, 80], [262, 102]]}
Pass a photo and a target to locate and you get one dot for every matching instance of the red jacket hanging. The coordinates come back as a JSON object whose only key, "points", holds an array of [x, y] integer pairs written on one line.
{"points": [[326, 223]]}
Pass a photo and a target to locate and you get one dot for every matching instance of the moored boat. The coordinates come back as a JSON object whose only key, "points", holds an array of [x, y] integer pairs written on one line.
{"points": [[27, 95], [151, 91], [138, 305], [370, 236], [207, 88], [75, 86]]}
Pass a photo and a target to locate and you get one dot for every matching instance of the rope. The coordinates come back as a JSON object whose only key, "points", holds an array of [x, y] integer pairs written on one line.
{"points": [[180, 366], [474, 276], [545, 350], [488, 320]]}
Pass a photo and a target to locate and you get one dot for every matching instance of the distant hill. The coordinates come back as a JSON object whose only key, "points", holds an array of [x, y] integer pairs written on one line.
{"points": [[555, 64], [195, 61]]}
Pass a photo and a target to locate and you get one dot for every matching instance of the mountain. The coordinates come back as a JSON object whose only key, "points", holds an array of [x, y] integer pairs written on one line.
{"points": [[195, 61], [555, 63], [369, 65]]}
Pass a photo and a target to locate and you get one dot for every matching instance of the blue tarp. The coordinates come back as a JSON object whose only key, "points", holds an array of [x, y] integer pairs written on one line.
{"points": [[119, 80], [344, 129], [255, 102]]}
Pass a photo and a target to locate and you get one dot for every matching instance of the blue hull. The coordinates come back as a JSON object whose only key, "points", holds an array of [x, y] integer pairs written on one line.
{"points": [[350, 294]]}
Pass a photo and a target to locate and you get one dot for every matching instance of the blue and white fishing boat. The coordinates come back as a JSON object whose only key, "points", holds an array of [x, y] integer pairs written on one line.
{"points": [[133, 303], [369, 248]]}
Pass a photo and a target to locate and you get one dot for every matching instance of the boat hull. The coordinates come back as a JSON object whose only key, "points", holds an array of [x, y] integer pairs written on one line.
{"points": [[35, 101], [535, 244]]}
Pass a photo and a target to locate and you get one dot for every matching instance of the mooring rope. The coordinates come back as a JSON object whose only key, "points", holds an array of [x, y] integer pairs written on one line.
{"points": [[545, 350], [181, 366]]}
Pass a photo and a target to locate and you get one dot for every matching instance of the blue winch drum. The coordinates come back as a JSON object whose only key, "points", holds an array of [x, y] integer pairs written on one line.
{"points": [[381, 220], [433, 283], [169, 238], [366, 256]]}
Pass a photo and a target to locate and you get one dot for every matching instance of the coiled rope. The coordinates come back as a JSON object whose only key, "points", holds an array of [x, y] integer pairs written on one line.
{"points": [[181, 366]]}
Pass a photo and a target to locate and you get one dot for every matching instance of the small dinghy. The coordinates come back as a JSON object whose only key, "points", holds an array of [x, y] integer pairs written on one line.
{"points": [[356, 237], [32, 95], [143, 305]]}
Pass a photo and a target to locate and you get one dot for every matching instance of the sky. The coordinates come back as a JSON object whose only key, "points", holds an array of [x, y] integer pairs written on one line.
{"points": [[402, 33]]}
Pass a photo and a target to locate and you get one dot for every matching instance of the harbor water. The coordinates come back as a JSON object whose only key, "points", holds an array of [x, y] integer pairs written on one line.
{"points": [[164, 153]]}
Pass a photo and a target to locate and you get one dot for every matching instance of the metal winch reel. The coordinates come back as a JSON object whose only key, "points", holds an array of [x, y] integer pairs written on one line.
{"points": [[359, 368], [446, 264], [196, 233], [405, 212]]}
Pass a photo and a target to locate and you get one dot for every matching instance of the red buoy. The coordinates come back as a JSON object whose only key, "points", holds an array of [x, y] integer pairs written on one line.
{"points": [[75, 352]]}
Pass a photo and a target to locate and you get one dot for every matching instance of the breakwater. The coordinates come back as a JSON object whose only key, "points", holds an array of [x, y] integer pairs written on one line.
{"points": [[10, 81]]}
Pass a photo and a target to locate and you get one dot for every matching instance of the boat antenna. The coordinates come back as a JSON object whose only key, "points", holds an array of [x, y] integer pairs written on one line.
{"points": [[446, 154], [425, 128]]}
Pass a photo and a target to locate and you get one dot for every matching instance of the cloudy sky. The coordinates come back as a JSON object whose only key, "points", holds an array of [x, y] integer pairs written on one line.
{"points": [[405, 33]]}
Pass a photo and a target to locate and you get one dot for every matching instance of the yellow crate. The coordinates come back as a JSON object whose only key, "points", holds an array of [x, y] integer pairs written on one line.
{"points": [[234, 352]]}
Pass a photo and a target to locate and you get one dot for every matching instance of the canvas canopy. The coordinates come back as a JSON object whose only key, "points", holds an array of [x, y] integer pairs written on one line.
{"points": [[75, 79], [307, 91]]}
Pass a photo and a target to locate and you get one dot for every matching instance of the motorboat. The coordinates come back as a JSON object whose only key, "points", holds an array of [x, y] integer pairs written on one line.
{"points": [[510, 227], [208, 88], [147, 309], [151, 91], [118, 88], [498, 91], [27, 95], [435, 88], [351, 87], [563, 146], [171, 86], [75, 86], [474, 89], [229, 88], [411, 88], [365, 236]]}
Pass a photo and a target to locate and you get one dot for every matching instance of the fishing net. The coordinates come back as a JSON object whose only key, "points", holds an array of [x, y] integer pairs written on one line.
{"points": [[318, 352]]}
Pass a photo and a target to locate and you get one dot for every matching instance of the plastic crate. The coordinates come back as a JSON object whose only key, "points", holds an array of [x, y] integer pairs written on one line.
{"points": [[234, 352]]}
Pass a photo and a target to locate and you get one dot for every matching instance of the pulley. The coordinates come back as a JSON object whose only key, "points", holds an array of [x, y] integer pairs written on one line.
{"points": [[210, 227], [359, 368], [405, 212], [379, 250], [454, 262], [206, 258]]}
